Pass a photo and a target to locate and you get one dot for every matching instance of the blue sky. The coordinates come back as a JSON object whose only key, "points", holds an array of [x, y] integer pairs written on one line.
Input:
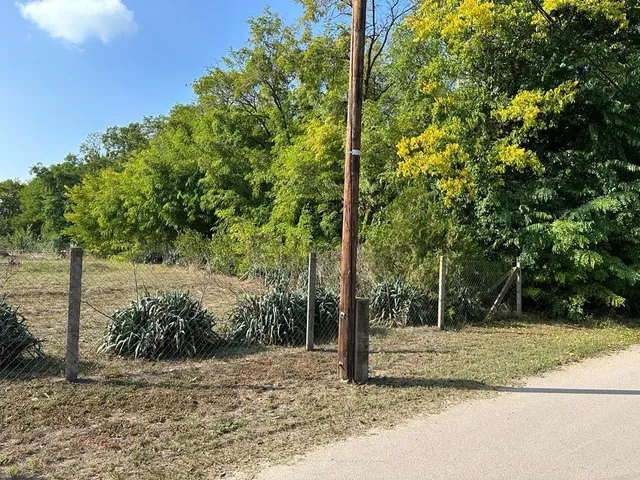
{"points": [[72, 67]]}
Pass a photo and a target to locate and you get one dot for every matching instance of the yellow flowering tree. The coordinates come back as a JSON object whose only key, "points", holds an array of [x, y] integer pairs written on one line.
{"points": [[533, 136]]}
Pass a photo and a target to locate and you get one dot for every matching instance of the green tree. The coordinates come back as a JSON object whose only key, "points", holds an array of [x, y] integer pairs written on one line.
{"points": [[9, 205], [261, 152], [533, 134], [183, 181], [43, 201]]}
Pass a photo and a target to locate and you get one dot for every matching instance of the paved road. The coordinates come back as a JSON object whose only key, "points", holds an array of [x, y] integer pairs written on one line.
{"points": [[582, 422]]}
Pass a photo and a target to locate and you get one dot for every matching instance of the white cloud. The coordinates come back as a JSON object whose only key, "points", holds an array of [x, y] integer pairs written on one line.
{"points": [[79, 20]]}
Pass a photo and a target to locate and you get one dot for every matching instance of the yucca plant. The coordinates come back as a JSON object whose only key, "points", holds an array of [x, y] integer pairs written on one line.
{"points": [[274, 318], [164, 325], [16, 341], [397, 303], [279, 317], [327, 314]]}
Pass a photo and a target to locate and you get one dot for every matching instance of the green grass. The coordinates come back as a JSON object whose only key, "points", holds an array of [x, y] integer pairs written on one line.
{"points": [[204, 418]]}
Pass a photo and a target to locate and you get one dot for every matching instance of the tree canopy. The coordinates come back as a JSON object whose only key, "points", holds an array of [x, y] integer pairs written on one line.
{"points": [[533, 137], [498, 128]]}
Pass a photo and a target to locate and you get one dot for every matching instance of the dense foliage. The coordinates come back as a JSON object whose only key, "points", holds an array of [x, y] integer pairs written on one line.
{"points": [[491, 128], [160, 326], [533, 136], [15, 340]]}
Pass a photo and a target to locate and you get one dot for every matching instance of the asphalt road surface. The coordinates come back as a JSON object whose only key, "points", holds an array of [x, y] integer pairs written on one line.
{"points": [[582, 422]]}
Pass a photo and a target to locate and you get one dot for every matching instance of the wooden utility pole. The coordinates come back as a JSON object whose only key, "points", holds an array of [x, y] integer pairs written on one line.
{"points": [[347, 320]]}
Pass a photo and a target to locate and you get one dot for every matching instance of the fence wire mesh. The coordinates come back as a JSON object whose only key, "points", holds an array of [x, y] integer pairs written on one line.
{"points": [[479, 290], [133, 313], [33, 315]]}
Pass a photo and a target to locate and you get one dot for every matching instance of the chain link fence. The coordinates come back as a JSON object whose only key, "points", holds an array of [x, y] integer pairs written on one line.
{"points": [[133, 315], [33, 315], [479, 290]]}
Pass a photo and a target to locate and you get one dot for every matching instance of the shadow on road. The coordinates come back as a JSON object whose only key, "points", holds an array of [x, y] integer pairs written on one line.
{"points": [[465, 384], [572, 391]]}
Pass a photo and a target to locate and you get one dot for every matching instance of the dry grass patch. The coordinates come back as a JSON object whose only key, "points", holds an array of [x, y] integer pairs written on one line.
{"points": [[205, 419]]}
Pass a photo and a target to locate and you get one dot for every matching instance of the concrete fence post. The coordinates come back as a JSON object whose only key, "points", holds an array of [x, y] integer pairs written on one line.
{"points": [[73, 321], [361, 371], [442, 304], [518, 289], [311, 301]]}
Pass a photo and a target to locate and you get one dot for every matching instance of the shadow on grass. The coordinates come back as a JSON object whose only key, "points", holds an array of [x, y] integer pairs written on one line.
{"points": [[392, 351], [213, 353], [400, 351], [21, 477], [229, 351], [41, 368], [52, 366], [325, 349], [532, 320], [181, 385], [379, 331], [26, 369], [457, 384]]}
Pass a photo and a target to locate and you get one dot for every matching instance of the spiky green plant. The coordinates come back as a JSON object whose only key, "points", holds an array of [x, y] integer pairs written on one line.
{"points": [[397, 303], [327, 314], [274, 318], [279, 317], [164, 325], [16, 341]]}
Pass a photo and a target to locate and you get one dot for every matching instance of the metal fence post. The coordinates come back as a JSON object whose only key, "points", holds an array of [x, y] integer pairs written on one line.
{"points": [[73, 322], [442, 293], [311, 301], [518, 289], [361, 370]]}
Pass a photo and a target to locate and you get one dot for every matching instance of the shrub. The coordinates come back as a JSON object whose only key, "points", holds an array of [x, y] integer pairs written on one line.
{"points": [[465, 305], [159, 258], [23, 240], [406, 239], [164, 325], [15, 340], [275, 318], [397, 303], [327, 314], [279, 317], [5, 244]]}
